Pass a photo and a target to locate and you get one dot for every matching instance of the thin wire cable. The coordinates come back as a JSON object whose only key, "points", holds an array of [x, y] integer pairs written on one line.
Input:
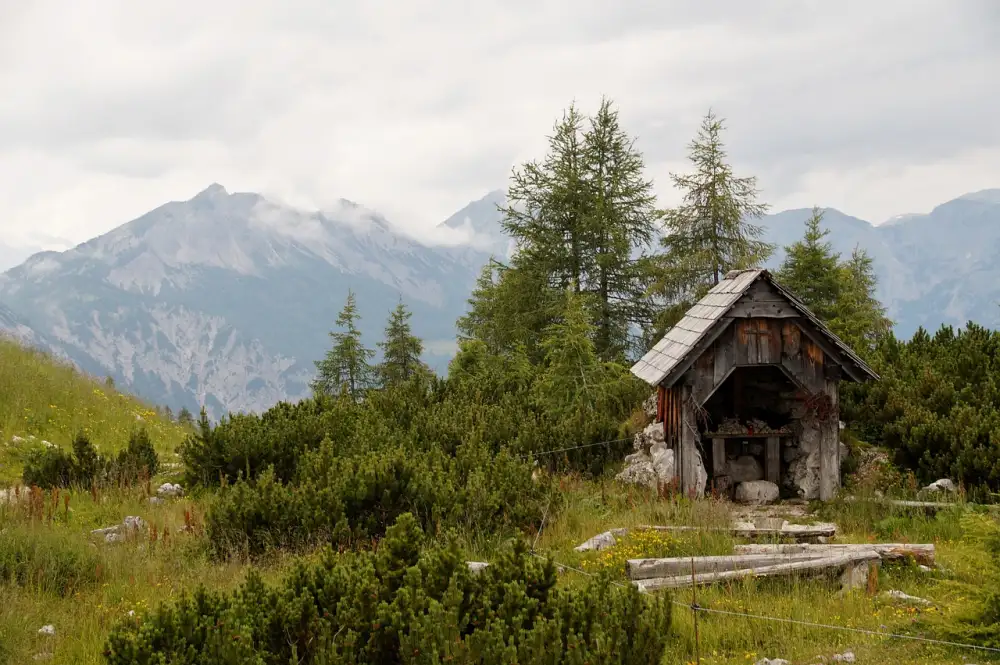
{"points": [[563, 450]]}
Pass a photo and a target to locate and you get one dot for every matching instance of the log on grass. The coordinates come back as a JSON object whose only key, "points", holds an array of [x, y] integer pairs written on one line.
{"points": [[813, 566]]}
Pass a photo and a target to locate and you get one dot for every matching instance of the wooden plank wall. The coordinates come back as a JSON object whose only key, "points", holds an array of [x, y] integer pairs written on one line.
{"points": [[668, 412], [764, 341], [671, 414]]}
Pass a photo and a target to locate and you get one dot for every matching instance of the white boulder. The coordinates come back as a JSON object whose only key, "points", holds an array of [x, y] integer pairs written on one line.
{"points": [[650, 467], [170, 490], [662, 459], [118, 532], [745, 469], [757, 492], [601, 541], [906, 598], [943, 485]]}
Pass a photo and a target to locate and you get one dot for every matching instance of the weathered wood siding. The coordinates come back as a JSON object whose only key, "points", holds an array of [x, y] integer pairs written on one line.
{"points": [[669, 411], [764, 341]]}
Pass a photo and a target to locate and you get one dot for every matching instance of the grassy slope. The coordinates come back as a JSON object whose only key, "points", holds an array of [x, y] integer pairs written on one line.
{"points": [[107, 582], [52, 401]]}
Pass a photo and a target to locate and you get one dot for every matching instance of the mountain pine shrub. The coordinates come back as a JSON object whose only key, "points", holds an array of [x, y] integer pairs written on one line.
{"points": [[937, 405], [403, 603], [50, 466], [347, 499]]}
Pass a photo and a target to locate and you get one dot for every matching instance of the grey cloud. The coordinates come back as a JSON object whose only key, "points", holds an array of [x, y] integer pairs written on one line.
{"points": [[401, 105]]}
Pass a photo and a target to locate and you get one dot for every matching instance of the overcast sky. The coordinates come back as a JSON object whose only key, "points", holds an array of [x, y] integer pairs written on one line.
{"points": [[416, 107]]}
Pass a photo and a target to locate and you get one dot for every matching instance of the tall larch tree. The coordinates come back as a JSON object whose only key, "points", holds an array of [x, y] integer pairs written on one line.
{"points": [[712, 231], [546, 208], [621, 221], [582, 218], [347, 365], [811, 269], [401, 350]]}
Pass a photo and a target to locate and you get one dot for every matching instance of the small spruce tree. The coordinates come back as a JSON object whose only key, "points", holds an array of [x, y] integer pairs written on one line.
{"points": [[347, 366], [400, 350], [859, 317], [184, 417], [811, 269]]}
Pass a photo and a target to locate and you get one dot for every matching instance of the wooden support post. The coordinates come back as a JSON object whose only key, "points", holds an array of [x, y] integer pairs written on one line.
{"points": [[772, 459], [829, 446], [718, 457], [688, 445]]}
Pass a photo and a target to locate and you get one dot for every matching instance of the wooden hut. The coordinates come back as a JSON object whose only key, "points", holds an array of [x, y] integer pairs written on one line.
{"points": [[747, 382]]}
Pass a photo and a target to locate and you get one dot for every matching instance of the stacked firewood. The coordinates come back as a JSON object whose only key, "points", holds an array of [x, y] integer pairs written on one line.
{"points": [[731, 426], [753, 426]]}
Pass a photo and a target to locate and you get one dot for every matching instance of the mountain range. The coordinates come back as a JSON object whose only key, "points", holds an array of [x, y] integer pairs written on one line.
{"points": [[225, 300]]}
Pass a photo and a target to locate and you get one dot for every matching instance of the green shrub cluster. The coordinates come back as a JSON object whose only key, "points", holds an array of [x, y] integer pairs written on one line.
{"points": [[347, 499], [487, 400], [937, 405], [244, 445], [403, 604], [49, 467], [455, 453]]}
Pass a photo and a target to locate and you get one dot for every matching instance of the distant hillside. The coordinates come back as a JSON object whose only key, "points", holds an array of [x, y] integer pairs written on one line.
{"points": [[933, 268], [12, 256], [48, 400], [225, 300]]}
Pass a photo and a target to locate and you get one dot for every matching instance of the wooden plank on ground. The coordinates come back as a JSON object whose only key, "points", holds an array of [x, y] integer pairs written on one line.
{"points": [[812, 566], [921, 552], [642, 569]]}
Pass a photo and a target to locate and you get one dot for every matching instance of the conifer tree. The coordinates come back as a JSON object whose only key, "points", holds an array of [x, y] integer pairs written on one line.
{"points": [[572, 367], [508, 308], [574, 385], [581, 219], [347, 366], [712, 231], [859, 317], [841, 293], [184, 417], [621, 218], [811, 269], [400, 350], [547, 205]]}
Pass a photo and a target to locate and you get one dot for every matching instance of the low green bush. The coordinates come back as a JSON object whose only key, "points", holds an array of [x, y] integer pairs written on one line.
{"points": [[49, 466], [350, 498], [937, 405], [403, 604]]}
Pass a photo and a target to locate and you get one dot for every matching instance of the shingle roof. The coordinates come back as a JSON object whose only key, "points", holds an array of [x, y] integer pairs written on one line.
{"points": [[699, 321]]}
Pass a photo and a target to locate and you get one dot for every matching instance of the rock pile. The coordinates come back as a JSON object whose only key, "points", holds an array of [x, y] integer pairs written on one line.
{"points": [[115, 534], [653, 464]]}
